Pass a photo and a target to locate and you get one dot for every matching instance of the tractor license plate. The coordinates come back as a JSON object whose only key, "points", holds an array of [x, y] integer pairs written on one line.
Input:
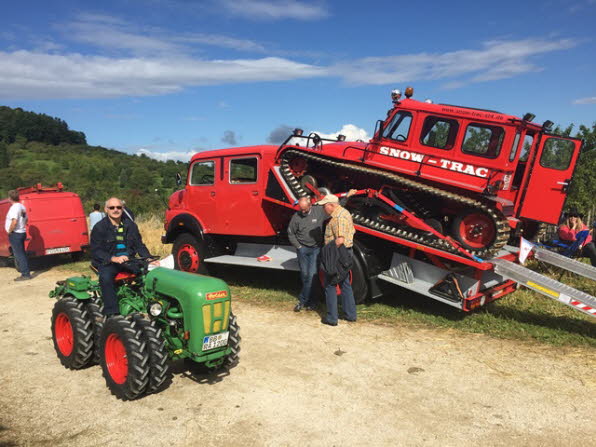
{"points": [[54, 251], [215, 341]]}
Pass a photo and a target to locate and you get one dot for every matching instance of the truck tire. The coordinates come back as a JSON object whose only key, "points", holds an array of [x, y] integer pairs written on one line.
{"points": [[234, 339], [359, 281], [124, 358], [72, 333], [189, 254], [159, 370]]}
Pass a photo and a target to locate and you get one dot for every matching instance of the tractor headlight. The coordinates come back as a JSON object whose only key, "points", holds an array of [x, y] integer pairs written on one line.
{"points": [[155, 309]]}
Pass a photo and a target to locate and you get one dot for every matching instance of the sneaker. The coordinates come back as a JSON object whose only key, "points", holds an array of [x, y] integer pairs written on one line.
{"points": [[348, 319], [23, 278], [298, 307]]}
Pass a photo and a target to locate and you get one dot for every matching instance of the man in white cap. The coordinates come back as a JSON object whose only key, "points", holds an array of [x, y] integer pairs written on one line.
{"points": [[336, 258]]}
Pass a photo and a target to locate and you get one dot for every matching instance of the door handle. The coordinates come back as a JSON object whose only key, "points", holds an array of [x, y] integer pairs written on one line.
{"points": [[563, 183], [255, 193], [212, 193]]}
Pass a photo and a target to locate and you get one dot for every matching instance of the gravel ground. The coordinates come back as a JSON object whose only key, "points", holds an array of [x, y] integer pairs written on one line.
{"points": [[300, 383]]}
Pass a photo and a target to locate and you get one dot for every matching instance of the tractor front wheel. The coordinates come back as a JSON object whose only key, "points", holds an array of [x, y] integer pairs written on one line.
{"points": [[72, 333], [124, 358], [234, 339], [159, 371], [189, 254]]}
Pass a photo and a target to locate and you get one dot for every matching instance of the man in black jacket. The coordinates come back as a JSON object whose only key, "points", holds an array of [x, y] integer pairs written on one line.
{"points": [[114, 241]]}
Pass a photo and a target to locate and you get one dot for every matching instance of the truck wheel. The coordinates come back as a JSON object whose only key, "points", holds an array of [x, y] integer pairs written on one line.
{"points": [[159, 371], [474, 230], [234, 339], [124, 358], [189, 253], [72, 333], [94, 307], [359, 281]]}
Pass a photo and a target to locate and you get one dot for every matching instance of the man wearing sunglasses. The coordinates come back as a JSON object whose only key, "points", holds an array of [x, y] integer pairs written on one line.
{"points": [[115, 241]]}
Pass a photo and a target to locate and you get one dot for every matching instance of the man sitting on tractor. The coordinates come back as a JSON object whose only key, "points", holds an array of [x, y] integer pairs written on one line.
{"points": [[114, 242]]}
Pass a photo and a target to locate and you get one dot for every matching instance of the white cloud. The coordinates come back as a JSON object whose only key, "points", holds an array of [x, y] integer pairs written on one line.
{"points": [[588, 100], [352, 133], [165, 156], [159, 67], [26, 74], [276, 9], [495, 60]]}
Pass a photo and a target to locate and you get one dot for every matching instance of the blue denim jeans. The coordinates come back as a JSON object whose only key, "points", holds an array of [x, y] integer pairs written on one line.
{"points": [[17, 242], [308, 259], [348, 303]]}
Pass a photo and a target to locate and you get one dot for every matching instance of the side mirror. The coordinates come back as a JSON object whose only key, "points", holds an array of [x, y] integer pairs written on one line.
{"points": [[178, 179], [379, 128]]}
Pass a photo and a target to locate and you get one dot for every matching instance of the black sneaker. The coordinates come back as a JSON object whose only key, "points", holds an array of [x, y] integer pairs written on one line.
{"points": [[348, 319], [328, 323], [23, 278], [298, 307], [311, 308]]}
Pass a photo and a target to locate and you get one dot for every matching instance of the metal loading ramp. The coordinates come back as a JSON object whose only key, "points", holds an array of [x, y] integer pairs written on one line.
{"points": [[549, 287], [565, 263]]}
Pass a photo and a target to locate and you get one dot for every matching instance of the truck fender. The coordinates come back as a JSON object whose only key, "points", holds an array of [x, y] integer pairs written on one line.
{"points": [[184, 222]]}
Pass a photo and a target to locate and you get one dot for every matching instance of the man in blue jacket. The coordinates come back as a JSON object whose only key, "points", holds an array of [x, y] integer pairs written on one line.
{"points": [[114, 241]]}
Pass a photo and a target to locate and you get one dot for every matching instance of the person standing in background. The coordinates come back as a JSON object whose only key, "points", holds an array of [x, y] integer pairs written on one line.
{"points": [[16, 227], [95, 216]]}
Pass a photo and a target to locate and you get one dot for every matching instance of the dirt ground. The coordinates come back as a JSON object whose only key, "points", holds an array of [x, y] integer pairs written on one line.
{"points": [[300, 383]]}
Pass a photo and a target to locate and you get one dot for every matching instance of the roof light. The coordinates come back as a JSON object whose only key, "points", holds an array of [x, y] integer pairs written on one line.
{"points": [[547, 126], [409, 92], [298, 132], [395, 95], [428, 101], [529, 117], [341, 137]]}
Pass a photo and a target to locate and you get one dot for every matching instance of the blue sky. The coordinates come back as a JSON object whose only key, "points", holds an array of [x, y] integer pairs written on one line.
{"points": [[172, 77]]}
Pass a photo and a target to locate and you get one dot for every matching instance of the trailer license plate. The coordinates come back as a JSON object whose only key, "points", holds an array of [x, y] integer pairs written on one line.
{"points": [[215, 341], [54, 251]]}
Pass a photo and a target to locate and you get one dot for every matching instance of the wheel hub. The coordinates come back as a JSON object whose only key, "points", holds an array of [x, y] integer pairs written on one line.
{"points": [[64, 335], [188, 258], [116, 360]]}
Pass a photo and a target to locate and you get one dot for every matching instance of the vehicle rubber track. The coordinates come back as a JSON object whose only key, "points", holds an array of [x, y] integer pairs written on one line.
{"points": [[418, 236]]}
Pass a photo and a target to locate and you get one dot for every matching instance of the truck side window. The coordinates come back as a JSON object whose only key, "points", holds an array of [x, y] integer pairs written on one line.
{"points": [[557, 154], [439, 132], [243, 170], [203, 173], [528, 140], [399, 127], [483, 140]]}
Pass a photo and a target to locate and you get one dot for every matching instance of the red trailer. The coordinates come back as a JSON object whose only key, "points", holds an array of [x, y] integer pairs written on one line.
{"points": [[56, 222]]}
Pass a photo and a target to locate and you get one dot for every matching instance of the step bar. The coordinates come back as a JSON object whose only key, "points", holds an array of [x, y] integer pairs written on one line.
{"points": [[548, 287]]}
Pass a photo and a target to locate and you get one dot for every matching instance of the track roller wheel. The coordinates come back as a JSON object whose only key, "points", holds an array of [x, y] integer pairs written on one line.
{"points": [[159, 371], [72, 333], [474, 230], [124, 358]]}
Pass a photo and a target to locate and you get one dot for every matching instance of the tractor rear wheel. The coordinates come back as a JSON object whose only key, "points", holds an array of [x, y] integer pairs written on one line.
{"points": [[189, 254], [159, 371], [124, 358], [72, 333], [234, 339]]}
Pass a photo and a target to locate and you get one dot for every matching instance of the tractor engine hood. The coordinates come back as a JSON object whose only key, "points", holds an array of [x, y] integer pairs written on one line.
{"points": [[205, 301]]}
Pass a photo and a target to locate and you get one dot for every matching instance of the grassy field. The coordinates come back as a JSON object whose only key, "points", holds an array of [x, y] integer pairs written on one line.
{"points": [[523, 315]]}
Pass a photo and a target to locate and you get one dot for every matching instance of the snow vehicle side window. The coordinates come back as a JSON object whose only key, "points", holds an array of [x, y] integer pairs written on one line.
{"points": [[439, 132], [483, 140]]}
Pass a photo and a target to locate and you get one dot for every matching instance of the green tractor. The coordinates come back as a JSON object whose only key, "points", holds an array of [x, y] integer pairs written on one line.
{"points": [[164, 315]]}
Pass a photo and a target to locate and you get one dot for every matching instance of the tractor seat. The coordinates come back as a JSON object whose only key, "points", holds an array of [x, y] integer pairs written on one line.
{"points": [[121, 276]]}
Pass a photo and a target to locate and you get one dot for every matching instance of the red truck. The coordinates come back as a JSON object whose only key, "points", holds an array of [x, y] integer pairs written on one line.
{"points": [[56, 222], [443, 191]]}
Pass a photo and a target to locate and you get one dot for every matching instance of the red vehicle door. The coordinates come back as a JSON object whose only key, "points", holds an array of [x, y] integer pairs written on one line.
{"points": [[202, 200], [551, 174], [240, 207]]}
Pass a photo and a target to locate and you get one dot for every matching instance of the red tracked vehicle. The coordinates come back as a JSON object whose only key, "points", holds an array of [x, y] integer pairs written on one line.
{"points": [[441, 189]]}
